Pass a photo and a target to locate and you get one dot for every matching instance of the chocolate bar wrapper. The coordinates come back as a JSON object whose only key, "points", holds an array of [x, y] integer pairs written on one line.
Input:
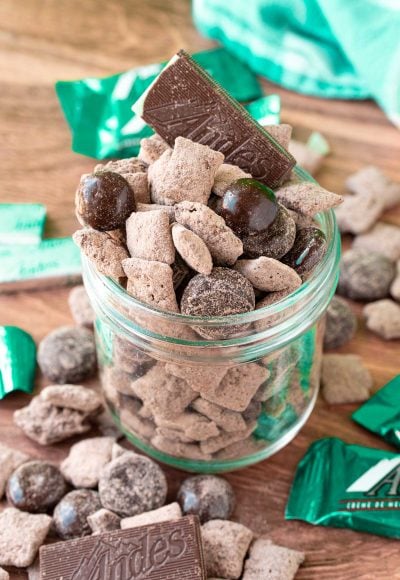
{"points": [[347, 486], [381, 413], [17, 360], [21, 223], [98, 110]]}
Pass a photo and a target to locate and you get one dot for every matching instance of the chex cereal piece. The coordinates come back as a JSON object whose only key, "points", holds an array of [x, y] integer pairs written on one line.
{"points": [[281, 133], [73, 397], [199, 377], [225, 546], [192, 249], [224, 246], [345, 379], [151, 148], [103, 521], [383, 318], [382, 238], [241, 448], [224, 439], [307, 198], [151, 282], [306, 157], [21, 535], [179, 449], [145, 428], [371, 179], [266, 560], [140, 186], [173, 435], [122, 166], [101, 249], [81, 309], [225, 175], [10, 459], [168, 209], [148, 236], [395, 287], [358, 213], [85, 461], [185, 173], [268, 274], [229, 421], [168, 512], [193, 425], [4, 575]]}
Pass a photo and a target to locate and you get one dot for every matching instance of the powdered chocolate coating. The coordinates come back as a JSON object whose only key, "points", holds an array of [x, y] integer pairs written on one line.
{"points": [[341, 324], [207, 496], [68, 355], [71, 513], [365, 275], [308, 250], [104, 200], [276, 241], [132, 484], [36, 486]]}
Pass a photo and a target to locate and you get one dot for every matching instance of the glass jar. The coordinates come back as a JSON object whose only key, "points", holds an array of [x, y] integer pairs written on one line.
{"points": [[217, 404]]}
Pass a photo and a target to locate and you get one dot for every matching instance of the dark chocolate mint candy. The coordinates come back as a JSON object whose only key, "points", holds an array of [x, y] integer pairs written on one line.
{"points": [[207, 496], [71, 513], [341, 324], [248, 207], [308, 250], [276, 241], [36, 487], [104, 200], [132, 484], [365, 275]]}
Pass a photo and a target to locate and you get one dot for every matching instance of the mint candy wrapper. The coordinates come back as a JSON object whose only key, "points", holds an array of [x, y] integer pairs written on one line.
{"points": [[98, 110], [347, 486], [17, 360], [381, 413], [21, 223]]}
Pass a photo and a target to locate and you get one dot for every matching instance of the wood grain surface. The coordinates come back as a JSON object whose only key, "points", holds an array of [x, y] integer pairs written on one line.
{"points": [[42, 41]]}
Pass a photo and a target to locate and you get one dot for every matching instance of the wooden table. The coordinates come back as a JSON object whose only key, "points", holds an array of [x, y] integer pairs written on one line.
{"points": [[45, 40]]}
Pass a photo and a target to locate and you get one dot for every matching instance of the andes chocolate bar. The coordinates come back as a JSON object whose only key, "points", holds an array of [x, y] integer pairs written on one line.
{"points": [[164, 551], [184, 101]]}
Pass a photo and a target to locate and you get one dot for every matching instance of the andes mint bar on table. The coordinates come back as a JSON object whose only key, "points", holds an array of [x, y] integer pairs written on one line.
{"points": [[184, 101], [164, 551]]}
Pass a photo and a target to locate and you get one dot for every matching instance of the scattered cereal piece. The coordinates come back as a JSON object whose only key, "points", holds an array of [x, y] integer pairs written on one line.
{"points": [[47, 424], [194, 426], [268, 274], [358, 213], [186, 173], [225, 546], [394, 288], [229, 421], [21, 535], [341, 324], [207, 496], [172, 511], [86, 460], [281, 133], [71, 513], [68, 355], [192, 249], [132, 484], [306, 157], [224, 246], [81, 309], [365, 275], [151, 148], [225, 175], [122, 166], [151, 282], [179, 449], [383, 317], [224, 439], [307, 251], [10, 459], [266, 560], [139, 185], [168, 209], [308, 198], [103, 250], [4, 575], [371, 180], [148, 236], [383, 239], [345, 379], [198, 377], [103, 521], [73, 397]]}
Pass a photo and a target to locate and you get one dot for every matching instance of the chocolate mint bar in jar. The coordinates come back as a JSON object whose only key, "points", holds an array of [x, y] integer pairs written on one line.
{"points": [[209, 261]]}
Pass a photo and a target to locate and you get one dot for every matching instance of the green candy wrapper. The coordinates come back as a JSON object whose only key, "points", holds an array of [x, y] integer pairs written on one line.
{"points": [[99, 114], [21, 223], [17, 360], [347, 486], [265, 110], [381, 413]]}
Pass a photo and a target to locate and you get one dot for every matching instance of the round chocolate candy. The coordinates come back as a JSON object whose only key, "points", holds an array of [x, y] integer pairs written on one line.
{"points": [[365, 275], [248, 207], [341, 324], [276, 241], [36, 486], [104, 200], [207, 496], [71, 513], [308, 249]]}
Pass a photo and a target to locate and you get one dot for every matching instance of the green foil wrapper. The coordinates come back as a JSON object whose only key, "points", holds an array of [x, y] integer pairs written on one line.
{"points": [[21, 223], [347, 486], [265, 110], [381, 413], [98, 110], [17, 360]]}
